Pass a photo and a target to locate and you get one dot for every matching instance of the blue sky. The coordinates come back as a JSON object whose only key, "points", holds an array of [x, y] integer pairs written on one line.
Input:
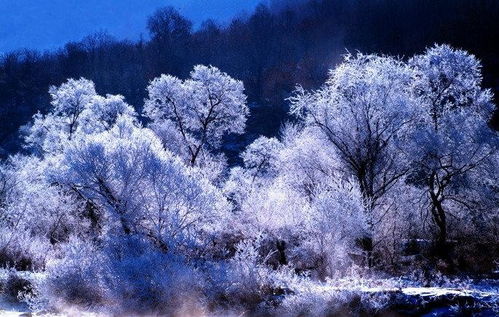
{"points": [[49, 24]]}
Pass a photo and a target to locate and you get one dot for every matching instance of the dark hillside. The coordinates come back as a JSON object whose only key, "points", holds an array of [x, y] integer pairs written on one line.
{"points": [[270, 51]]}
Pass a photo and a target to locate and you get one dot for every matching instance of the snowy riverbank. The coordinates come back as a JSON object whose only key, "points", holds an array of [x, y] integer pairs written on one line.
{"points": [[353, 296]]}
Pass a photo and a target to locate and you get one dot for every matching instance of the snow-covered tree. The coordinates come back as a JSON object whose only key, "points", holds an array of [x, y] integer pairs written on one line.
{"points": [[363, 108], [291, 191], [307, 162], [193, 115], [34, 213], [143, 189], [154, 213], [261, 157], [48, 132], [261, 161], [102, 113], [451, 145], [361, 112], [76, 110], [70, 100]]}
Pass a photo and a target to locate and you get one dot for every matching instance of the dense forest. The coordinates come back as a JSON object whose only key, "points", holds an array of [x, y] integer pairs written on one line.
{"points": [[324, 158], [271, 51]]}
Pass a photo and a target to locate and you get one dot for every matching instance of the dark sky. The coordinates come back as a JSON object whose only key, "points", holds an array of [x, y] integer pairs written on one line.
{"points": [[49, 24]]}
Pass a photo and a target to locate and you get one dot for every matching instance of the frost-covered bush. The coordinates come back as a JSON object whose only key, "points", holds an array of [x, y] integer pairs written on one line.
{"points": [[16, 286], [337, 224], [120, 276], [143, 189], [261, 158], [158, 215], [74, 277], [247, 281], [23, 251], [343, 298], [35, 214]]}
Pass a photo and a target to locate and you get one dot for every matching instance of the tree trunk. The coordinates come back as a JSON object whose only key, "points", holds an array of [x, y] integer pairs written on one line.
{"points": [[439, 217]]}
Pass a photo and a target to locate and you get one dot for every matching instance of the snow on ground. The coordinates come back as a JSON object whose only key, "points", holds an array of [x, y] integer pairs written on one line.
{"points": [[437, 291], [411, 291], [8, 309]]}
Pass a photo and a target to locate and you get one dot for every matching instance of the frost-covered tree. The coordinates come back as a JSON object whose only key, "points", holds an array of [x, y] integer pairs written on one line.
{"points": [[143, 189], [68, 102], [34, 213], [157, 215], [154, 214], [76, 110], [364, 106], [193, 115], [261, 156], [307, 161], [6, 182], [451, 145], [102, 113], [290, 191], [261, 160], [361, 112]]}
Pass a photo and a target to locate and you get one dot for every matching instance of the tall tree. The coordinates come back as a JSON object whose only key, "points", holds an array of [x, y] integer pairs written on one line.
{"points": [[170, 41], [196, 113], [362, 110], [451, 146]]}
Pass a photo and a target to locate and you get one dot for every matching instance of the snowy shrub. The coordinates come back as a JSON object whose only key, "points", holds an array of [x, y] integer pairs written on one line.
{"points": [[146, 279], [35, 214], [328, 300], [157, 214], [22, 251], [122, 275], [337, 224], [143, 189], [246, 281], [74, 278], [15, 286]]}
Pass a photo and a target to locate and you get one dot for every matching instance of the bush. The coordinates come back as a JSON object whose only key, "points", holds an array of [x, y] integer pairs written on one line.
{"points": [[21, 251], [344, 297], [124, 276], [17, 286], [245, 281]]}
